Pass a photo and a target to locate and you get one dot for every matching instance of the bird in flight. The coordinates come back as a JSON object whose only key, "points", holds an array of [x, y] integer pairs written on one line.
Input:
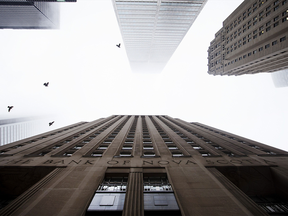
{"points": [[9, 108], [51, 123], [118, 45], [46, 84]]}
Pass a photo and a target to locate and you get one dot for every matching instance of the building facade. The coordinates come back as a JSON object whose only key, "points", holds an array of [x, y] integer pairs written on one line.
{"points": [[152, 30], [142, 165], [22, 14], [280, 78], [15, 129], [253, 39]]}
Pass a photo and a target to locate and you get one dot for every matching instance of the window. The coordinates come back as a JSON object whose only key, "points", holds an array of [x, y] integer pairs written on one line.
{"points": [[255, 51], [268, 29], [158, 195], [276, 8], [276, 18], [267, 46], [109, 196], [268, 13], [276, 24], [274, 43], [205, 154], [260, 49], [283, 39], [261, 13], [268, 23], [249, 54]]}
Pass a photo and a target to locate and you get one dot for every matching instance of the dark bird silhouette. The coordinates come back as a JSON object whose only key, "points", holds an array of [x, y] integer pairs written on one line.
{"points": [[9, 108], [46, 84], [118, 45], [51, 123]]}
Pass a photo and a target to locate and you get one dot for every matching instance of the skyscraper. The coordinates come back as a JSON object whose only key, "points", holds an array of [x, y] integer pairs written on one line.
{"points": [[22, 14], [152, 30], [280, 78], [253, 39], [142, 165], [15, 129]]}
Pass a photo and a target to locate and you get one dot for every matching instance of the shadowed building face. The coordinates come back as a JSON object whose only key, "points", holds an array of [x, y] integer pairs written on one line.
{"points": [[142, 165]]}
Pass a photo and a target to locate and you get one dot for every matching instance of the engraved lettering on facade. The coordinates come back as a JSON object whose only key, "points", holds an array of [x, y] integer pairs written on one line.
{"points": [[126, 162], [188, 161], [177, 162], [163, 162], [112, 162], [144, 162], [89, 162]]}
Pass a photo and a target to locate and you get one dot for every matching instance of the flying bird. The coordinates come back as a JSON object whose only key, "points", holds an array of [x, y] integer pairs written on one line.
{"points": [[118, 45], [51, 123], [9, 108], [46, 84]]}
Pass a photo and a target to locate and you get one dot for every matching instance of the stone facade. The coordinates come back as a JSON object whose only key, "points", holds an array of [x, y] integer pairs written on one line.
{"points": [[253, 39], [142, 165]]}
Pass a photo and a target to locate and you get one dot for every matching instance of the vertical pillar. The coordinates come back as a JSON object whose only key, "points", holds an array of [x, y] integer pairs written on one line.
{"points": [[134, 203]]}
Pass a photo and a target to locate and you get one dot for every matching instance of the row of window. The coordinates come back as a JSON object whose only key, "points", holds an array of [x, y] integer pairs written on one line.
{"points": [[3, 151], [110, 196], [102, 147], [77, 146], [148, 147], [275, 6], [175, 151], [276, 21], [282, 39], [238, 140], [200, 148], [126, 150]]}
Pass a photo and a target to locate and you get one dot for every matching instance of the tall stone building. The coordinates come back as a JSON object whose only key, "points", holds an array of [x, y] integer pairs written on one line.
{"points": [[253, 39], [142, 165], [152, 30]]}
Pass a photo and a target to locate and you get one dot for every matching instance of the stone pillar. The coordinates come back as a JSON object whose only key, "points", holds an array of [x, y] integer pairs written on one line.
{"points": [[134, 202]]}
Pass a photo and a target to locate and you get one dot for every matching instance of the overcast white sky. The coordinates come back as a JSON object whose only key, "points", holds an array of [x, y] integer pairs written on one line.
{"points": [[91, 78]]}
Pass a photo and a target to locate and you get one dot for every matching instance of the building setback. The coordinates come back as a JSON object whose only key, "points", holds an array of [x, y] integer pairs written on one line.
{"points": [[22, 14], [142, 165], [152, 30], [253, 39]]}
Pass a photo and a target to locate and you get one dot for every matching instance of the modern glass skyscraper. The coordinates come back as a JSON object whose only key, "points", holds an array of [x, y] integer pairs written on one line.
{"points": [[141, 165], [280, 78], [152, 30], [22, 14], [12, 130]]}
